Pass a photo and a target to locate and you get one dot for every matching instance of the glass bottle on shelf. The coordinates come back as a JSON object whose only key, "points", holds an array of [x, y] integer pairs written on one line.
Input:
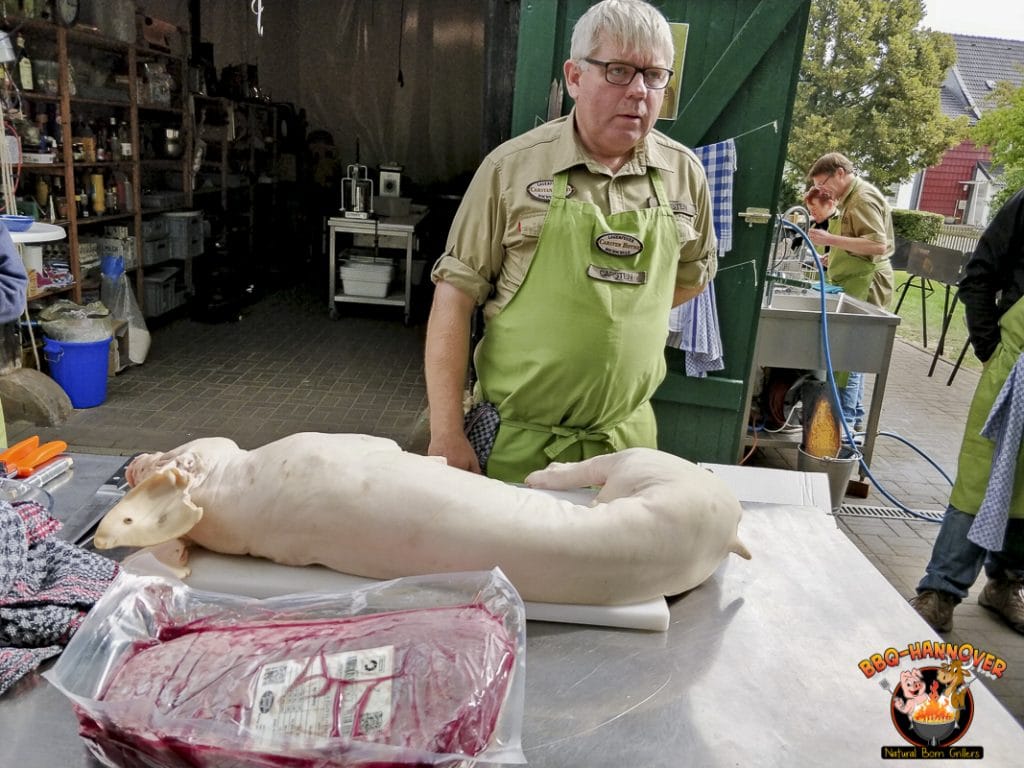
{"points": [[24, 67], [124, 191], [124, 136], [60, 198], [101, 143], [83, 198], [113, 203], [89, 142], [42, 193], [97, 192], [114, 139]]}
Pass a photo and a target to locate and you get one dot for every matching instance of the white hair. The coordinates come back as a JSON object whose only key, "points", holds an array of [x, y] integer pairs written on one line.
{"points": [[630, 25]]}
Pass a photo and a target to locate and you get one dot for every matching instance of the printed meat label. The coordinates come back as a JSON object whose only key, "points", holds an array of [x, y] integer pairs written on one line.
{"points": [[345, 695]]}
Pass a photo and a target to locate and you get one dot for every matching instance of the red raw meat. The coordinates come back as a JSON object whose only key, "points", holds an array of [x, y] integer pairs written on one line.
{"points": [[280, 693]]}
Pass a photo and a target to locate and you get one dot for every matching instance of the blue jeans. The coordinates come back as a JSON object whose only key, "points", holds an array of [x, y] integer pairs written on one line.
{"points": [[851, 399], [956, 561]]}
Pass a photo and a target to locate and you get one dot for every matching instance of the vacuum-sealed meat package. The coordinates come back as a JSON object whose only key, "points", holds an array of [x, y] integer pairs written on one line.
{"points": [[424, 670]]}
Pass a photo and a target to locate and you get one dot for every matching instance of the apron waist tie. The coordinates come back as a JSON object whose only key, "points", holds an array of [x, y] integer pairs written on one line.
{"points": [[566, 437]]}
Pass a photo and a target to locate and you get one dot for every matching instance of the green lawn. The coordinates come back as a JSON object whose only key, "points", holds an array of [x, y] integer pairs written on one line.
{"points": [[912, 329]]}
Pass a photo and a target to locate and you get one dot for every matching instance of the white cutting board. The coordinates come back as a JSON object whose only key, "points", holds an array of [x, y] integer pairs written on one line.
{"points": [[256, 577], [259, 578]]}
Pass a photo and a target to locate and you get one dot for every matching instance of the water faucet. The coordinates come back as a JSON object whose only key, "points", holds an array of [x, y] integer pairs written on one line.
{"points": [[795, 214]]}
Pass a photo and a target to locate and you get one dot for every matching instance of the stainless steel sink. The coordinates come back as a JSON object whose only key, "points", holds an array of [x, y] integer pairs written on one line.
{"points": [[806, 302], [789, 332], [860, 339]]}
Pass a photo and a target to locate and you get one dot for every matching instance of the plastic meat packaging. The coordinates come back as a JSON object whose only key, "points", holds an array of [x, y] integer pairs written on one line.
{"points": [[425, 670]]}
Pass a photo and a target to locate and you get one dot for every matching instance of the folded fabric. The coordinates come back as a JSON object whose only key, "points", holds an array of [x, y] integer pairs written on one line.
{"points": [[46, 588], [693, 328], [1005, 427]]}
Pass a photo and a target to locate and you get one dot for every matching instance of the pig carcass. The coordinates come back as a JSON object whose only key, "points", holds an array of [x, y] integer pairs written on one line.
{"points": [[659, 525]]}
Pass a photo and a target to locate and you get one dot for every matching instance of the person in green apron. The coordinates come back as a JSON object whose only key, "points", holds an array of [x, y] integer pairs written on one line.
{"points": [[576, 239], [858, 255], [13, 285], [991, 291]]}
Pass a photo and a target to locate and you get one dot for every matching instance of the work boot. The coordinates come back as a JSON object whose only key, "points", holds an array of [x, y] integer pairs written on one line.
{"points": [[1005, 597], [936, 608]]}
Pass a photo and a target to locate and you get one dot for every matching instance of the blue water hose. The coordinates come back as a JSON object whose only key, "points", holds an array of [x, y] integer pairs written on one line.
{"points": [[830, 375]]}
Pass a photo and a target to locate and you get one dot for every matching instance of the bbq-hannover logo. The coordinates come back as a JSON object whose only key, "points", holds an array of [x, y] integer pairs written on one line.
{"points": [[931, 705]]}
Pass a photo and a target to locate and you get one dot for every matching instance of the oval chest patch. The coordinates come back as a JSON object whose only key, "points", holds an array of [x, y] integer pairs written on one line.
{"points": [[619, 244], [541, 190]]}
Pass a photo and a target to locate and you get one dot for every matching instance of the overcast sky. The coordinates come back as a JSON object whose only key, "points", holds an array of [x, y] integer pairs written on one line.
{"points": [[988, 18]]}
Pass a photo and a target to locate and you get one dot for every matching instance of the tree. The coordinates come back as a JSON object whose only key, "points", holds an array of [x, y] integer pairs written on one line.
{"points": [[869, 88], [1001, 128]]}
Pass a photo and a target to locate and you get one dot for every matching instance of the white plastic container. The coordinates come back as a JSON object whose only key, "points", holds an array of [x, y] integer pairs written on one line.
{"points": [[361, 279]]}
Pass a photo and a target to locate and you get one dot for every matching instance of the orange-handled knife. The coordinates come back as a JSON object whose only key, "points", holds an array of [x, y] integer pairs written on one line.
{"points": [[9, 458], [27, 465]]}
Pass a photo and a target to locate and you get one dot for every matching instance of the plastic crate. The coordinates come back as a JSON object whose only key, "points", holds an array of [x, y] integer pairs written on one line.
{"points": [[160, 293], [116, 246], [154, 228], [164, 199], [185, 233], [155, 251], [366, 279]]}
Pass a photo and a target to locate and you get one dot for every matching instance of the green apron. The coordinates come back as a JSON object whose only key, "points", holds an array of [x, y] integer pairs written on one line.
{"points": [[855, 274], [975, 463], [573, 359]]}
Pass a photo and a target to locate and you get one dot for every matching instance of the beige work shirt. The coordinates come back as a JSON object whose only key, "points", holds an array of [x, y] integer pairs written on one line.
{"points": [[866, 213], [496, 229]]}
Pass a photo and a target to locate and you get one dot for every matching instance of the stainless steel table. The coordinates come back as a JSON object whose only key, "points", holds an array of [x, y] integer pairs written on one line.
{"points": [[759, 667], [399, 229]]}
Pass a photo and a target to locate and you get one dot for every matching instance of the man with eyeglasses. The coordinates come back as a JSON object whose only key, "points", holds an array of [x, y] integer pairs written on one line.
{"points": [[859, 254], [576, 238]]}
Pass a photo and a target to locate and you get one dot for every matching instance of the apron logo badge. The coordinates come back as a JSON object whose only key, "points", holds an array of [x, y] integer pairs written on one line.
{"points": [[616, 275], [618, 244], [542, 190]]}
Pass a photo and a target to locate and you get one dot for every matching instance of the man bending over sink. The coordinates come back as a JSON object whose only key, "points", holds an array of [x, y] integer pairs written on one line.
{"points": [[858, 260]]}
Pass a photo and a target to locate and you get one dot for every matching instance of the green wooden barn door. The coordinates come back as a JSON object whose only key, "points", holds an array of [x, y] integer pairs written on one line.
{"points": [[739, 80]]}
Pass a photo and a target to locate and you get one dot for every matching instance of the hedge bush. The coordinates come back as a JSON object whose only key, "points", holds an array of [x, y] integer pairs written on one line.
{"points": [[919, 226]]}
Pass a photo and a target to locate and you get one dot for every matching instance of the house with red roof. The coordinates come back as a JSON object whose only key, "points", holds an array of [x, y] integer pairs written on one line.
{"points": [[960, 186]]}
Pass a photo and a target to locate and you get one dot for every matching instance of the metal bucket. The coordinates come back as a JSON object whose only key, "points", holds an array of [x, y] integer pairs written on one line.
{"points": [[838, 468]]}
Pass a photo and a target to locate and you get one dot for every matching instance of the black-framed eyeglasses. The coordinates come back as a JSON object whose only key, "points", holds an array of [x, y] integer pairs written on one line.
{"points": [[820, 185], [620, 73]]}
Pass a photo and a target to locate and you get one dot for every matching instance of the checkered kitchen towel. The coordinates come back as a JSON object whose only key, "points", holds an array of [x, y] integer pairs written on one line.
{"points": [[719, 161], [693, 326], [481, 427], [46, 588], [1004, 426]]}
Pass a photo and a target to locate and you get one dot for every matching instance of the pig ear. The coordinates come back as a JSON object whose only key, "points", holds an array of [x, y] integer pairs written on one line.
{"points": [[156, 510]]}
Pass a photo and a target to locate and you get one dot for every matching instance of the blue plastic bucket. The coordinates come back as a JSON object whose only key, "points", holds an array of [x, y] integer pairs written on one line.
{"points": [[80, 367]]}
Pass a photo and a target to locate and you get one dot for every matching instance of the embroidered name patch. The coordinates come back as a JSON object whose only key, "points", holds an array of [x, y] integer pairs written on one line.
{"points": [[618, 244], [686, 209], [616, 275], [542, 189]]}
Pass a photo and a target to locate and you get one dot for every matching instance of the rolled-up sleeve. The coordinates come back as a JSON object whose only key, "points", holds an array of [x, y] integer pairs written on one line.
{"points": [[473, 252], [698, 246]]}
